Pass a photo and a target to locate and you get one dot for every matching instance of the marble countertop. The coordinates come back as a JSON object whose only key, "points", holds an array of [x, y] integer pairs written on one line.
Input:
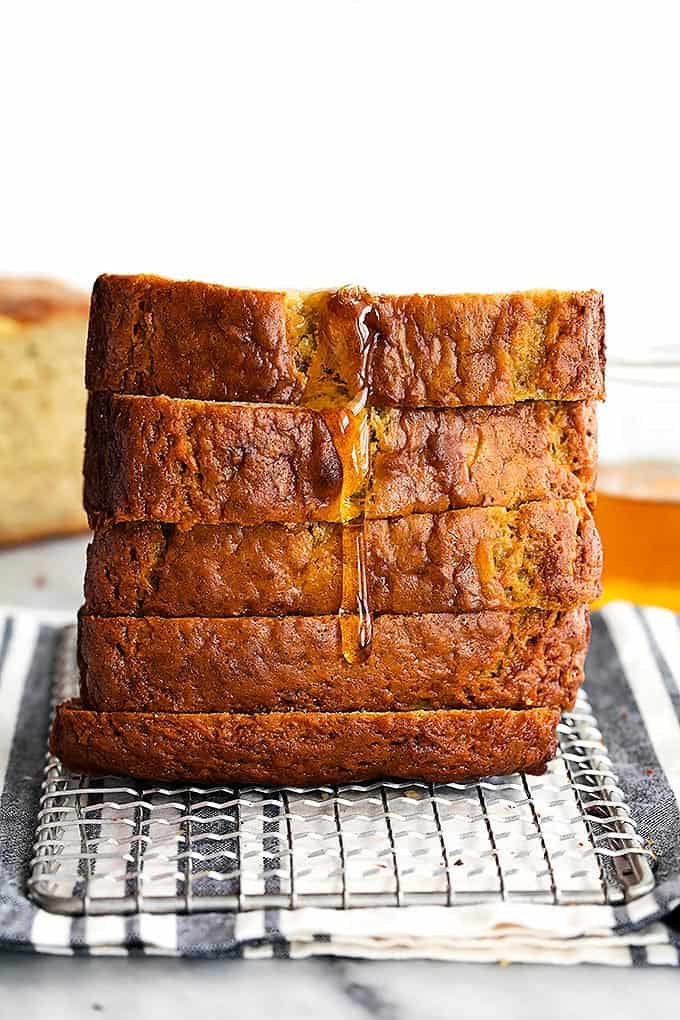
{"points": [[49, 575], [146, 989]]}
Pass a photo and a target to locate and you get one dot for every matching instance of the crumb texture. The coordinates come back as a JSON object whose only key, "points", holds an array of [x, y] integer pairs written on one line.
{"points": [[42, 409], [236, 628], [488, 349]]}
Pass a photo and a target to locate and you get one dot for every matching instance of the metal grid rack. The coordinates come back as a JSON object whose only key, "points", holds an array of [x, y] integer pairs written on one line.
{"points": [[110, 845]]}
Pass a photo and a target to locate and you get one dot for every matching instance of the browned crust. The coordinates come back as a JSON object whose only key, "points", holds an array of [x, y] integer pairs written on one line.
{"points": [[489, 349], [37, 299], [256, 664], [161, 459], [141, 569], [153, 336], [187, 339], [427, 460], [152, 458], [303, 749], [545, 555]]}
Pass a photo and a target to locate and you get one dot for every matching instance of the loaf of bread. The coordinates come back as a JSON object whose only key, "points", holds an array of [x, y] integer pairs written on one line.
{"points": [[190, 462], [43, 325], [305, 748], [542, 555], [194, 340], [274, 664]]}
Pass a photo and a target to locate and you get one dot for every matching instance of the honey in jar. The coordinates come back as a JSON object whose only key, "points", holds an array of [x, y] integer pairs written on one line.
{"points": [[638, 515]]}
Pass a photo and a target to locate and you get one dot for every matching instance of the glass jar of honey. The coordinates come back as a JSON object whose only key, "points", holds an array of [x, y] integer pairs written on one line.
{"points": [[638, 505]]}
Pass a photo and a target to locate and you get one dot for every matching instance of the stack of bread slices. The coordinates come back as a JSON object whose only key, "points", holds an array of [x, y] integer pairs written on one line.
{"points": [[337, 536]]}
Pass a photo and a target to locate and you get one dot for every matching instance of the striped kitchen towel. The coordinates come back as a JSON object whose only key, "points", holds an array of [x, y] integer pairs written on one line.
{"points": [[634, 689]]}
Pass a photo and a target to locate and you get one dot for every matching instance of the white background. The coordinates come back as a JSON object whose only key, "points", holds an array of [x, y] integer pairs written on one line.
{"points": [[404, 145]]}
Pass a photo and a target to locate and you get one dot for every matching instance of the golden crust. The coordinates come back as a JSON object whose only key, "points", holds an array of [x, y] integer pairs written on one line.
{"points": [[37, 299], [465, 349]]}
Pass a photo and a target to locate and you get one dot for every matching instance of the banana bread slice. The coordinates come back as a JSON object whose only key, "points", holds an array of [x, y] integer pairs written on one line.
{"points": [[430, 460], [43, 324], [305, 748], [189, 462], [545, 555], [153, 458], [259, 664], [186, 339]]}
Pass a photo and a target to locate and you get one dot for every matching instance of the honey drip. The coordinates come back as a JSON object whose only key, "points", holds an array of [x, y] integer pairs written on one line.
{"points": [[356, 623]]}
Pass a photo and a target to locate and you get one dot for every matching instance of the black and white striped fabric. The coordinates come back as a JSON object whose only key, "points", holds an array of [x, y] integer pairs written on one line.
{"points": [[634, 689]]}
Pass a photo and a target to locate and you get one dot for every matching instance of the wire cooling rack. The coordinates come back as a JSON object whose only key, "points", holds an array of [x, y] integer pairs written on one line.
{"points": [[108, 845]]}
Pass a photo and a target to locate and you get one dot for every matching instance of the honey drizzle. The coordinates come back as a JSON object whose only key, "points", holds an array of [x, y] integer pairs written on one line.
{"points": [[356, 622]]}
